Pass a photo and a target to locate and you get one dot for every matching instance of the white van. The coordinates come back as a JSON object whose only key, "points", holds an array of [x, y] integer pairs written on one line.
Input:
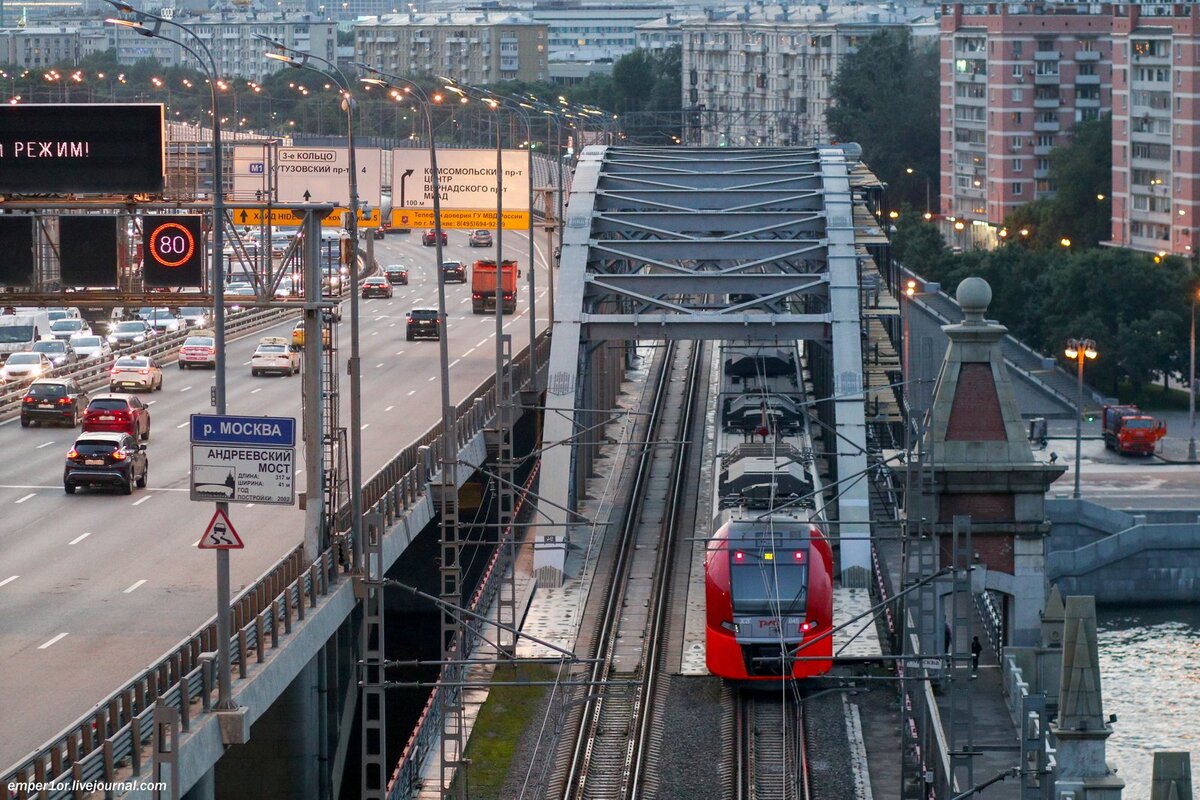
{"points": [[19, 330]]}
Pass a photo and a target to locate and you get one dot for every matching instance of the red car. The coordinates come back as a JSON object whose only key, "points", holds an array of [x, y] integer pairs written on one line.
{"points": [[429, 238], [122, 413]]}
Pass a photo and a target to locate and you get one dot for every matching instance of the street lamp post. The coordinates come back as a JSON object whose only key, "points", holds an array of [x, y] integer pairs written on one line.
{"points": [[1080, 350], [208, 65], [331, 70]]}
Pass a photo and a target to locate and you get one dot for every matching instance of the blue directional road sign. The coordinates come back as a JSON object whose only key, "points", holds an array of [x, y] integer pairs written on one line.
{"points": [[227, 429], [243, 459]]}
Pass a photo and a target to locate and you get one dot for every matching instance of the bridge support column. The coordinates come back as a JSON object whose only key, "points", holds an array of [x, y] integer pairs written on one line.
{"points": [[280, 762]]}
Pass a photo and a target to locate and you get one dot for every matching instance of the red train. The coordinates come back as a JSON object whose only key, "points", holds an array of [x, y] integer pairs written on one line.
{"points": [[769, 599]]}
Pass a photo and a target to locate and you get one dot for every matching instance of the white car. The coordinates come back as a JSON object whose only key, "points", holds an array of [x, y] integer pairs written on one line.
{"points": [[88, 347], [163, 321], [274, 354], [199, 350], [195, 317], [67, 327], [25, 367], [135, 372]]}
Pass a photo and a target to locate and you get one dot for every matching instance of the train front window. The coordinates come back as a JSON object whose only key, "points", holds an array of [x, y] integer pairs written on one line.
{"points": [[768, 582]]}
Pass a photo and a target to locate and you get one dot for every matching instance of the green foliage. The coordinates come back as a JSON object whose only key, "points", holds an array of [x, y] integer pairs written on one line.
{"points": [[918, 244], [886, 99], [1081, 172]]}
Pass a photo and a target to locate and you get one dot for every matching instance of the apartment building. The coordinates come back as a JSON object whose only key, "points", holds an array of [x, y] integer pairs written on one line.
{"points": [[762, 76], [589, 33], [1156, 133], [231, 35], [660, 34], [1014, 81], [39, 46], [474, 47]]}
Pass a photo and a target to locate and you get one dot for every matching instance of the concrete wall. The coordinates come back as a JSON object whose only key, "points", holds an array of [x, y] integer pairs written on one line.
{"points": [[1123, 559]]}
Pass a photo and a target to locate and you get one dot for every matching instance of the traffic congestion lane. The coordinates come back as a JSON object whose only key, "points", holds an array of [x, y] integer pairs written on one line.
{"points": [[124, 583]]}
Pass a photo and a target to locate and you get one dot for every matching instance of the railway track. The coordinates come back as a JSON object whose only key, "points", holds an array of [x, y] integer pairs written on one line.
{"points": [[614, 735], [770, 750]]}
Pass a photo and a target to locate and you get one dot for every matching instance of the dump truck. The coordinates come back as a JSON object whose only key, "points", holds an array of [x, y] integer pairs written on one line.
{"points": [[483, 286], [1128, 429]]}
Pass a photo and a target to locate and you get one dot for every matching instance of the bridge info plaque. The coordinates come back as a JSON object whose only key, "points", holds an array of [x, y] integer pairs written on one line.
{"points": [[243, 459]]}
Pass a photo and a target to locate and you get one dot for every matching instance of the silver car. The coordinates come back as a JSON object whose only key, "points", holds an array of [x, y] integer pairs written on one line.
{"points": [[89, 347]]}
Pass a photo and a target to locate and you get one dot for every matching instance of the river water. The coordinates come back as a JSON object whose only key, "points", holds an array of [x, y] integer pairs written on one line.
{"points": [[1150, 673]]}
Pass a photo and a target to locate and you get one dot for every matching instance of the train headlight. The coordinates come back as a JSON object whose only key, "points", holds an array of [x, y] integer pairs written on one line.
{"points": [[731, 626]]}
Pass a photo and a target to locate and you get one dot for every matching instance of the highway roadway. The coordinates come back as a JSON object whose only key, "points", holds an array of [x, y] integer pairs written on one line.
{"points": [[95, 587]]}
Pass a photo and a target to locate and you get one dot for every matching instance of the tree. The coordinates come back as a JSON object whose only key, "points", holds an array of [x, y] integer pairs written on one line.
{"points": [[1080, 209], [886, 99]]}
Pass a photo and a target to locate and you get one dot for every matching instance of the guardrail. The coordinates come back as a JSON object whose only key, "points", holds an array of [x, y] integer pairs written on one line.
{"points": [[100, 745], [92, 373]]}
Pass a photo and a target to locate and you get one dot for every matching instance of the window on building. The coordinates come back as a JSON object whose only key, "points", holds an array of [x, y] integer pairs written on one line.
{"points": [[1017, 70], [1018, 95], [1018, 187], [1086, 69], [1016, 117], [1086, 46], [1017, 48], [1017, 142], [1018, 165]]}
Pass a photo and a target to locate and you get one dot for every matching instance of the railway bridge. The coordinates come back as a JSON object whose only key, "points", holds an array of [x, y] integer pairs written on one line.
{"points": [[764, 245]]}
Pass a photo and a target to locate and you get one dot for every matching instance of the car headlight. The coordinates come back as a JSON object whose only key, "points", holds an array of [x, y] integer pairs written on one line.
{"points": [[139, 338], [112, 339]]}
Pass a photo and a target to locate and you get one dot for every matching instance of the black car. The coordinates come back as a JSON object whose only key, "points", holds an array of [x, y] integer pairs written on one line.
{"points": [[106, 459], [376, 287], [377, 233], [396, 274], [454, 272], [423, 323], [59, 400]]}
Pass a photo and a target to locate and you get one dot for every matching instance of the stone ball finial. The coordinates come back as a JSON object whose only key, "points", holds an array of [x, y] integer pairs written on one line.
{"points": [[974, 295]]}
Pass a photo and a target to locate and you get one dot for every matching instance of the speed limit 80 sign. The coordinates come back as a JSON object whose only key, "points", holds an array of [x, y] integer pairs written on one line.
{"points": [[173, 250]]}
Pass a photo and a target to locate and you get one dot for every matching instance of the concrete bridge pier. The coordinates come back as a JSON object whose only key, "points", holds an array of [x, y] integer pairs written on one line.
{"points": [[293, 752]]}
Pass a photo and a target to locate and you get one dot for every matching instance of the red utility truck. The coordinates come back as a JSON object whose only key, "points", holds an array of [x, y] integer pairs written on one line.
{"points": [[483, 286], [1127, 429]]}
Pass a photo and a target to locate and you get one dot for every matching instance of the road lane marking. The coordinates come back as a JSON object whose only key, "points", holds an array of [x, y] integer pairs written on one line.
{"points": [[389, 408], [47, 444], [464, 355], [365, 426], [185, 389], [151, 402], [26, 497], [9, 421], [392, 325], [433, 377], [9, 579], [256, 391], [251, 505], [380, 364], [455, 361], [80, 538], [245, 363], [58, 638], [414, 391], [136, 585], [480, 343], [374, 333], [181, 425], [144, 499]]}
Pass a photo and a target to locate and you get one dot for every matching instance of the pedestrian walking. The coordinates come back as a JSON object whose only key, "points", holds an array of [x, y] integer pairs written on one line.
{"points": [[976, 649]]}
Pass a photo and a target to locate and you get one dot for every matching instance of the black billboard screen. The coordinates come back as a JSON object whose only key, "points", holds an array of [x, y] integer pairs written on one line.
{"points": [[81, 149], [16, 245], [88, 250], [173, 250]]}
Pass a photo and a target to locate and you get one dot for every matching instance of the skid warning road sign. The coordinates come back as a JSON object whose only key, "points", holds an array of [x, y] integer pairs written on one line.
{"points": [[220, 535]]}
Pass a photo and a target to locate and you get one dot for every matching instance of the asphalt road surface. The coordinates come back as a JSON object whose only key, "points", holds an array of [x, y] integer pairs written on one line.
{"points": [[97, 586]]}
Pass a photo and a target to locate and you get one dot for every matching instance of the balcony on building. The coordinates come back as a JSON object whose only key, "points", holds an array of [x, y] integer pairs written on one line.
{"points": [[1041, 174], [1047, 55], [1047, 102], [1087, 80], [1047, 80], [1042, 149], [1087, 55], [1087, 102], [1046, 126]]}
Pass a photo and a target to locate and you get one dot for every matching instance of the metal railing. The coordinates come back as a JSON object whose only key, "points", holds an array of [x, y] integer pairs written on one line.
{"points": [[93, 373], [100, 745]]}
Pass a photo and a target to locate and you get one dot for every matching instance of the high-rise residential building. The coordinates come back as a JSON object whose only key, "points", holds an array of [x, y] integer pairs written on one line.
{"points": [[1156, 131], [660, 34], [39, 46], [591, 32], [231, 35], [1014, 81], [475, 47], [763, 75]]}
